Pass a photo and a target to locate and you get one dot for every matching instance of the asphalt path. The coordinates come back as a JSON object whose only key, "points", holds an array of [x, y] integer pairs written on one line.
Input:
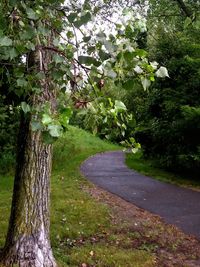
{"points": [[176, 205]]}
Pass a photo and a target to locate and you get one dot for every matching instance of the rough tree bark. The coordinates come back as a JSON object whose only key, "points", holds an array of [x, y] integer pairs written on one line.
{"points": [[27, 242]]}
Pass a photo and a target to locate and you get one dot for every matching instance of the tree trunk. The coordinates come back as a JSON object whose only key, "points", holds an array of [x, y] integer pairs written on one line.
{"points": [[187, 12], [27, 242]]}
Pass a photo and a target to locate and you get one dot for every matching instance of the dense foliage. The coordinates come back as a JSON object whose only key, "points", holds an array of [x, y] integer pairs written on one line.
{"points": [[80, 58], [9, 122], [169, 121], [8, 127]]}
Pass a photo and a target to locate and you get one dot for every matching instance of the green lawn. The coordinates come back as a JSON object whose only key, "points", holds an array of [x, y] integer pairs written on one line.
{"points": [[148, 167], [75, 216], [6, 183]]}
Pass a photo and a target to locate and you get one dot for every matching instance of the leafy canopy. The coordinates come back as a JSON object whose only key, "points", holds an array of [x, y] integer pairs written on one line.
{"points": [[79, 54]]}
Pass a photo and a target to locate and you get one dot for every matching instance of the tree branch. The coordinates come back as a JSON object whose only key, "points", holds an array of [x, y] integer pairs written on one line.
{"points": [[184, 8]]}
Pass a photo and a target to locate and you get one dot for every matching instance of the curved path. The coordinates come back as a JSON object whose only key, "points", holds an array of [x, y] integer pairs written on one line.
{"points": [[176, 205]]}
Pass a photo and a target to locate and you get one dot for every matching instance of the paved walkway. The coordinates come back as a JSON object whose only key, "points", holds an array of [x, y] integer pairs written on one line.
{"points": [[174, 204]]}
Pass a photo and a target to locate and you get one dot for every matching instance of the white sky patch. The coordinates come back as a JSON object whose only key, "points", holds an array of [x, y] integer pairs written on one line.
{"points": [[105, 24]]}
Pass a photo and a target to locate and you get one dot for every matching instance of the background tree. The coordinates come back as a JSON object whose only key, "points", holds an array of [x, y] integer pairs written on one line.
{"points": [[169, 127]]}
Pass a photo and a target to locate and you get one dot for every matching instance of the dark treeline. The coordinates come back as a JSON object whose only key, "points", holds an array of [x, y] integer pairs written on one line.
{"points": [[168, 116]]}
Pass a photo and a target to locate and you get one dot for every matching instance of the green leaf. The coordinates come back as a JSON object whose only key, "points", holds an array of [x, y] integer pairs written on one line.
{"points": [[145, 83], [103, 55], [86, 38], [5, 41], [71, 18], [110, 102], [111, 74], [196, 24], [109, 46], [129, 84], [27, 34], [162, 72], [65, 116], [57, 75], [13, 2], [21, 23], [128, 56], [36, 125], [58, 59], [25, 107], [47, 138], [89, 61], [70, 34], [44, 31], [30, 46], [12, 53], [31, 14], [141, 53], [46, 119], [21, 82], [40, 76], [1, 33], [56, 42], [119, 105], [187, 22], [55, 130], [138, 70], [91, 49], [83, 20]]}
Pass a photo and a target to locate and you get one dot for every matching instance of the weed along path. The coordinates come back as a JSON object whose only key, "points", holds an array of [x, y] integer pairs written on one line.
{"points": [[176, 205]]}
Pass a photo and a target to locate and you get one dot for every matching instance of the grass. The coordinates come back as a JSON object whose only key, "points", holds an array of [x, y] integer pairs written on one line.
{"points": [[117, 257], [6, 183], [81, 228], [148, 167]]}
